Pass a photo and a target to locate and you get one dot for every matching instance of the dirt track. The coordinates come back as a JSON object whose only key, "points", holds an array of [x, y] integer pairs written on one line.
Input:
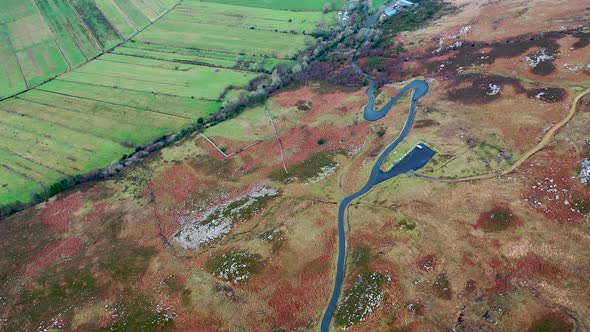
{"points": [[542, 144]]}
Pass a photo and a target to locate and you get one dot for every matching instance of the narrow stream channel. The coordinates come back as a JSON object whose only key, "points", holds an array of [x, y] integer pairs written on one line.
{"points": [[414, 160]]}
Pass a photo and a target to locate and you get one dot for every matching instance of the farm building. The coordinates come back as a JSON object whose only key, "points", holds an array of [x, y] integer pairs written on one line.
{"points": [[396, 8], [390, 12]]}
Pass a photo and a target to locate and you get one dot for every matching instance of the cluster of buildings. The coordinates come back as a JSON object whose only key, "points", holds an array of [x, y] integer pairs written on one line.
{"points": [[343, 17], [390, 10], [396, 8]]}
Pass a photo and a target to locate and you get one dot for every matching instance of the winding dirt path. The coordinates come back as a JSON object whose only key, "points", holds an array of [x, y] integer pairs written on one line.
{"points": [[277, 136], [548, 138]]}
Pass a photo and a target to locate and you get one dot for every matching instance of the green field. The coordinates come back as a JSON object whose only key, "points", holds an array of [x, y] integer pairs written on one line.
{"points": [[164, 79], [198, 56], [378, 3], [152, 76], [248, 17], [40, 39], [224, 39], [297, 5]]}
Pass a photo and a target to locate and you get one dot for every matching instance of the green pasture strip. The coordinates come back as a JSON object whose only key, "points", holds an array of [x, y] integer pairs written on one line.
{"points": [[133, 13], [225, 39], [116, 113], [123, 84], [378, 3], [163, 60], [169, 3], [11, 78], [18, 140], [252, 12], [181, 62], [268, 62], [248, 17], [41, 61], [58, 133], [104, 149], [188, 83], [241, 128], [39, 155], [182, 106], [298, 5], [13, 10], [220, 19], [180, 50], [128, 126], [32, 170], [104, 32], [57, 24], [28, 31], [90, 123], [157, 6], [76, 29], [116, 17], [145, 9], [14, 187], [142, 73], [173, 57], [152, 9]]}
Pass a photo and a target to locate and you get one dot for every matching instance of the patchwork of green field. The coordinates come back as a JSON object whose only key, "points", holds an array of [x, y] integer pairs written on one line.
{"points": [[50, 133], [173, 105], [248, 17], [223, 38], [201, 57], [40, 39], [15, 187], [298, 5], [136, 54], [168, 76], [10, 71], [158, 76], [117, 18]]}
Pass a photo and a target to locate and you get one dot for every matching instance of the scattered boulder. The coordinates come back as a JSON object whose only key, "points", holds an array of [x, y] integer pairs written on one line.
{"points": [[585, 171]]}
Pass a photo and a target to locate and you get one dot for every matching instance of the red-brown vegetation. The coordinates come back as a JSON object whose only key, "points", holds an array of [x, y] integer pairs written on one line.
{"points": [[372, 239], [502, 283], [302, 141], [553, 189], [470, 286], [295, 302], [57, 214], [97, 212], [52, 253], [179, 182], [427, 263], [290, 299], [532, 265], [498, 219]]}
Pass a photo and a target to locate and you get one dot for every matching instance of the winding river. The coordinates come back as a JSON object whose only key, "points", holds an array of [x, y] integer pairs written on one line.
{"points": [[414, 160]]}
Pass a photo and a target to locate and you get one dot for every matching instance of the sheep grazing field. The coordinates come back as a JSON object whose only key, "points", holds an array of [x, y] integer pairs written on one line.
{"points": [[87, 82]]}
